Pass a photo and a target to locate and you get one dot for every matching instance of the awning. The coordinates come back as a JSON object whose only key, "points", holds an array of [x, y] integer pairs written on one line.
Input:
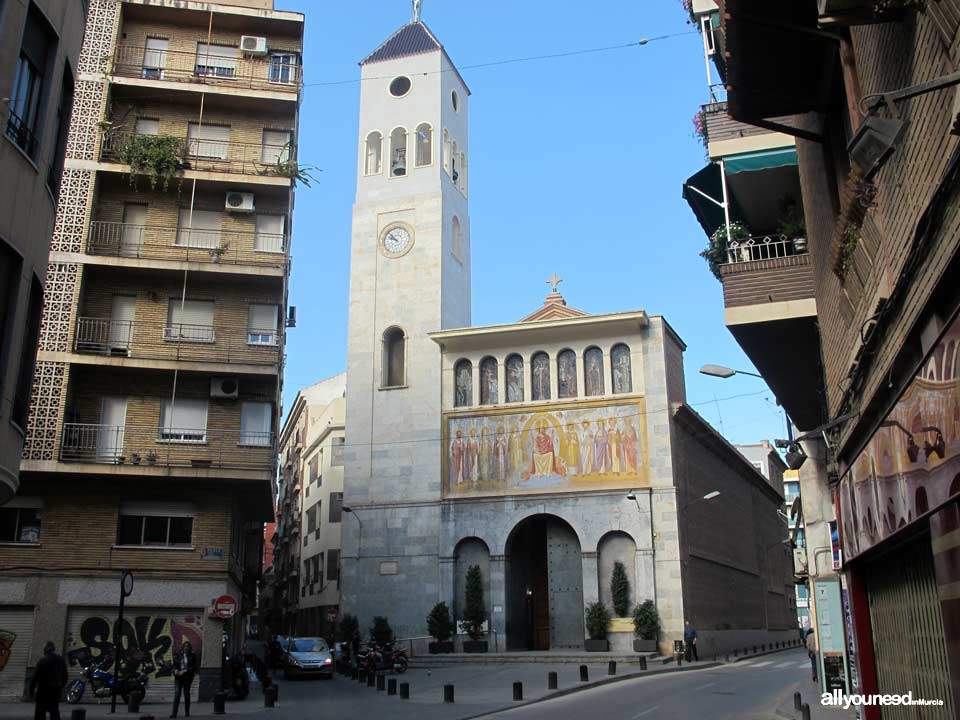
{"points": [[762, 160], [709, 213]]}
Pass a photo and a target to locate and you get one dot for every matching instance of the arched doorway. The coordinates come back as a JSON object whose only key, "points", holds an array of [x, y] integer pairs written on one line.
{"points": [[544, 585], [469, 552]]}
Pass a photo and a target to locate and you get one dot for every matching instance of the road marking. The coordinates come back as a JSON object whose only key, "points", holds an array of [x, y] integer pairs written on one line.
{"points": [[783, 665], [646, 712], [804, 664], [764, 663], [707, 685]]}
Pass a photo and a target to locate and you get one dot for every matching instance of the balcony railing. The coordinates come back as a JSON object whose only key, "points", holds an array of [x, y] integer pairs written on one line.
{"points": [[150, 446], [765, 247], [21, 134], [206, 155], [154, 242], [279, 72], [177, 341]]}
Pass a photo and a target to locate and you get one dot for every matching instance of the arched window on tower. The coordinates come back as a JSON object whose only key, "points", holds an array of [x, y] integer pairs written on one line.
{"points": [[394, 357], [540, 376], [593, 371], [566, 374], [463, 383], [514, 379], [489, 381], [446, 151], [373, 162], [454, 162], [424, 145], [622, 370], [456, 240], [398, 152]]}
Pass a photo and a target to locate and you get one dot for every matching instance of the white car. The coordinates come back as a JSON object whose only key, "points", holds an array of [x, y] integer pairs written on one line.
{"points": [[307, 657]]}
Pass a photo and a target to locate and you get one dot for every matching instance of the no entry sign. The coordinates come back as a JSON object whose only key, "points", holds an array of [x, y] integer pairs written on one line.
{"points": [[224, 607]]}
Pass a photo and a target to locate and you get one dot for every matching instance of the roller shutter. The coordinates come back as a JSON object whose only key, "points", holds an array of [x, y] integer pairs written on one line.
{"points": [[16, 639]]}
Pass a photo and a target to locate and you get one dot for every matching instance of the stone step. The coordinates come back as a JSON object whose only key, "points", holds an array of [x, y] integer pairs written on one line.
{"points": [[562, 658]]}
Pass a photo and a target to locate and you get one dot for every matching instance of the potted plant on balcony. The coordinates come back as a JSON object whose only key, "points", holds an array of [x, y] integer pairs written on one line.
{"points": [[598, 623], [440, 627], [217, 252], [700, 128], [717, 250], [793, 226], [151, 457], [159, 157], [646, 627], [474, 611]]}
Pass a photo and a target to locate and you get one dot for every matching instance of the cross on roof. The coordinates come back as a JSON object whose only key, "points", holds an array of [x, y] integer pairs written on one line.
{"points": [[417, 9], [554, 282]]}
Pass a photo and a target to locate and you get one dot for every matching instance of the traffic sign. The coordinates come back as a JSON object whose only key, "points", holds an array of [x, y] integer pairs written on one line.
{"points": [[224, 607]]}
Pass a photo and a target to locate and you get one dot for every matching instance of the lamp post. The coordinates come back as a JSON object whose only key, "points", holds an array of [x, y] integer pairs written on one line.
{"points": [[723, 372]]}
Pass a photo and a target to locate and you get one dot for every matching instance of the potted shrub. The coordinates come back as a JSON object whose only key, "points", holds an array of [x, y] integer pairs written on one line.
{"points": [[474, 611], [792, 225], [217, 252], [380, 632], [646, 627], [716, 252], [598, 622], [620, 590], [440, 627]]}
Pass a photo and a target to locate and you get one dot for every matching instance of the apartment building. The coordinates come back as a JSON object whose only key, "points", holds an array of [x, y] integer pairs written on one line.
{"points": [[151, 438], [310, 507], [862, 288], [39, 51]]}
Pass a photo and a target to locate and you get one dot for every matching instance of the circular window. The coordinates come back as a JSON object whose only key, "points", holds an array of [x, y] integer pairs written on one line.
{"points": [[455, 99], [400, 86]]}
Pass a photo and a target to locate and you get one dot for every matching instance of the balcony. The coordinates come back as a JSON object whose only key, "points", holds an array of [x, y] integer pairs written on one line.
{"points": [[21, 134], [153, 447], [261, 160], [177, 342], [153, 242], [278, 73]]}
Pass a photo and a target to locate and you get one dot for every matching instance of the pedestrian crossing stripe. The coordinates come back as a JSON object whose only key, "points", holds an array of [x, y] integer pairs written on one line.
{"points": [[764, 663], [783, 665]]}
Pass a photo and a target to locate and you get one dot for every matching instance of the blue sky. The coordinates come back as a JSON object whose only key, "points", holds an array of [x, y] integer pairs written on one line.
{"points": [[576, 167]]}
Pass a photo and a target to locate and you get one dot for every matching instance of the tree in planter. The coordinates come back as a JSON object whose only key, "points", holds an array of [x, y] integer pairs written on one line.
{"points": [[474, 611], [159, 157], [380, 632], [347, 627], [439, 624], [620, 590], [716, 253], [646, 621], [597, 620]]}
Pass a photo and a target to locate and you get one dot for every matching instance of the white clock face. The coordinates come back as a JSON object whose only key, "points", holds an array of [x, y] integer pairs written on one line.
{"points": [[397, 241]]}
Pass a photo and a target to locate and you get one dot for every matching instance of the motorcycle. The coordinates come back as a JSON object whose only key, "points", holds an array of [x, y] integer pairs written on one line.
{"points": [[378, 658], [100, 678]]}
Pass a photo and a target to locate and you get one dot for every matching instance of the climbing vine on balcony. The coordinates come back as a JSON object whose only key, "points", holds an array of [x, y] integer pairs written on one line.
{"points": [[716, 251], [158, 157], [858, 197]]}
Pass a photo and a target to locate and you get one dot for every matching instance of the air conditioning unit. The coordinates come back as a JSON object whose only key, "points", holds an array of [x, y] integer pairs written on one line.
{"points": [[225, 388], [253, 45], [240, 202]]}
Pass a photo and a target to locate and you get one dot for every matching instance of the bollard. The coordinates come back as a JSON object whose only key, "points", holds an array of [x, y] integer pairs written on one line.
{"points": [[805, 712], [518, 691], [219, 703], [612, 667], [371, 679], [679, 659], [361, 675], [448, 693], [404, 691], [797, 702], [78, 714], [133, 704], [735, 652], [270, 696], [392, 686], [381, 682], [353, 673], [643, 662], [754, 649], [551, 682], [584, 676]]}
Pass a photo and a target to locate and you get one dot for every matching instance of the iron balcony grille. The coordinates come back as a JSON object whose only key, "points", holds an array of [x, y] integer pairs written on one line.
{"points": [[280, 71], [765, 247], [21, 134], [155, 242], [177, 341], [148, 446]]}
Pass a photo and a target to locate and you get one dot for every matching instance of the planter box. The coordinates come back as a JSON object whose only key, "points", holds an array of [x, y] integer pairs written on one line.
{"points": [[596, 645], [439, 648], [475, 646], [644, 646]]}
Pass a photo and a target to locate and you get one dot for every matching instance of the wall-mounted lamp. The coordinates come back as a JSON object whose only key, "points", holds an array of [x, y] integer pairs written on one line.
{"points": [[876, 139]]}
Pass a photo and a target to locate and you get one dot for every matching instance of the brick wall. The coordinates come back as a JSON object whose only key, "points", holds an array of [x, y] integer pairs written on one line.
{"points": [[763, 281], [720, 126]]}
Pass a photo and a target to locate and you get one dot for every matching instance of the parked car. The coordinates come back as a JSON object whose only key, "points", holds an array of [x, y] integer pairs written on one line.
{"points": [[308, 656]]}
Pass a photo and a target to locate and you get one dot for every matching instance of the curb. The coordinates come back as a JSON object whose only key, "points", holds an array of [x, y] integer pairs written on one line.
{"points": [[768, 652], [595, 684]]}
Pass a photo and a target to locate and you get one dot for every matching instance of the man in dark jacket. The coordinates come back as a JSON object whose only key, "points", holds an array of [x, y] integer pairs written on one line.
{"points": [[690, 642], [48, 682], [184, 668]]}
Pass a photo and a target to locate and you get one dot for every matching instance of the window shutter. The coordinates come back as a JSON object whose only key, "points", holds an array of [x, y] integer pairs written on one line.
{"points": [[263, 317], [191, 312], [255, 423], [270, 230], [147, 126], [202, 230], [185, 417], [208, 141], [221, 57], [276, 147]]}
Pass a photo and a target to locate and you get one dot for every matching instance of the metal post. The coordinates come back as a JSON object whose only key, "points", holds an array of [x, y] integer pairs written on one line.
{"points": [[126, 587], [805, 712], [584, 675], [612, 667], [392, 686], [448, 693], [551, 681], [726, 201], [404, 691], [517, 691]]}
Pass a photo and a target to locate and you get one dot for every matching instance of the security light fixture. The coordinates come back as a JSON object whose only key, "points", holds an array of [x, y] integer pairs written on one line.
{"points": [[711, 495], [795, 456], [876, 139]]}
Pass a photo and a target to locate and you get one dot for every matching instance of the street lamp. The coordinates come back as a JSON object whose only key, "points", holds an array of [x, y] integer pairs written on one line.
{"points": [[351, 511], [723, 372]]}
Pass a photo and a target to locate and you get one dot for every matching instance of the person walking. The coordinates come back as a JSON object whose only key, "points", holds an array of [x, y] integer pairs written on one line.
{"points": [[46, 686], [812, 651], [690, 641], [184, 668]]}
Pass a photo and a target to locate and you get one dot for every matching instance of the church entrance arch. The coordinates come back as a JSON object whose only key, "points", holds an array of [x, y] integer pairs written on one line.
{"points": [[544, 585]]}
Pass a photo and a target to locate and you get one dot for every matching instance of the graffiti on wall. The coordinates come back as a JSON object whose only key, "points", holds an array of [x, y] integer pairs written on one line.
{"points": [[557, 449], [142, 638], [7, 638]]}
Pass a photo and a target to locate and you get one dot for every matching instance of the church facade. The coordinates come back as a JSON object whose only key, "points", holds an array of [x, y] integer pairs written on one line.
{"points": [[544, 451]]}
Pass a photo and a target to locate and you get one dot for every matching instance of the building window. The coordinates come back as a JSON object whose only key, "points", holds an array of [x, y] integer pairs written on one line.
{"points": [[463, 383], [800, 539], [284, 68], [336, 507], [146, 126], [256, 423], [199, 228], [145, 526], [312, 519], [155, 58], [488, 381], [593, 371], [217, 60], [20, 524], [210, 142], [336, 457], [540, 376], [333, 565], [394, 356], [11, 265], [424, 145], [314, 469], [373, 160], [446, 151], [622, 370], [64, 109], [28, 355], [262, 323], [183, 421], [398, 152], [514, 379], [189, 321], [566, 374], [28, 95], [275, 147], [270, 232]]}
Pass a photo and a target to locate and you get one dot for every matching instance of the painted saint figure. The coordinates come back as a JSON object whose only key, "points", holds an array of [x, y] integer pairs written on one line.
{"points": [[486, 453], [571, 451], [500, 455], [544, 462], [456, 460], [516, 450], [630, 441], [472, 458], [586, 455], [614, 447], [600, 449]]}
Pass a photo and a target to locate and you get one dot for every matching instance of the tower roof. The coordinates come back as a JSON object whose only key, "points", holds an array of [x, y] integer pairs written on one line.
{"points": [[413, 38]]}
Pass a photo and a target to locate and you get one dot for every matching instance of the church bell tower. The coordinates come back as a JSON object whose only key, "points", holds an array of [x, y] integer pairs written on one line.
{"points": [[409, 276]]}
